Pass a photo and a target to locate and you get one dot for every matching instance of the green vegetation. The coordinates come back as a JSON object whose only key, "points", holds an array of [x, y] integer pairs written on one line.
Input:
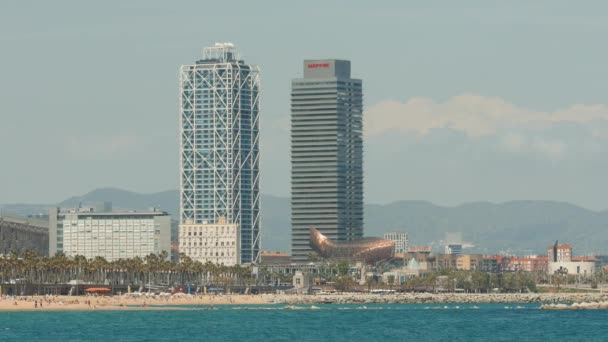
{"points": [[155, 269]]}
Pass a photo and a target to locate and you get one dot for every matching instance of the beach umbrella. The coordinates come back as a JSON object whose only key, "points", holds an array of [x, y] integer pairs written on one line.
{"points": [[98, 289]]}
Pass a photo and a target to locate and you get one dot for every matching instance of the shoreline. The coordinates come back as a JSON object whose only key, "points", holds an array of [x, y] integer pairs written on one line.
{"points": [[206, 302]]}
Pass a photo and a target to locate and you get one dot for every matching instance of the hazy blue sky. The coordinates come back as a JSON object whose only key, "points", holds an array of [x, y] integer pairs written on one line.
{"points": [[465, 101]]}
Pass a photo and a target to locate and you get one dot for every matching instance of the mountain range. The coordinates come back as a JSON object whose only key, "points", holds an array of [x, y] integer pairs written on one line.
{"points": [[520, 227]]}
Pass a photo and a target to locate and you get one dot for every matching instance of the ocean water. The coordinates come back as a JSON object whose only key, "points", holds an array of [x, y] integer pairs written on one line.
{"points": [[330, 322]]}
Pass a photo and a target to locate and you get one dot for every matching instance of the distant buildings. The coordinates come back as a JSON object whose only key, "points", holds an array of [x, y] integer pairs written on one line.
{"points": [[561, 261], [19, 235], [219, 144], [419, 249], [400, 238], [558, 253], [454, 249], [326, 154], [469, 262], [275, 258], [111, 235], [217, 242], [532, 263]]}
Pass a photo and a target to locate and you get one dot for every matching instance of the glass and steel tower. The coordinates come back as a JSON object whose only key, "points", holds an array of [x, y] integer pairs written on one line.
{"points": [[326, 155], [219, 144]]}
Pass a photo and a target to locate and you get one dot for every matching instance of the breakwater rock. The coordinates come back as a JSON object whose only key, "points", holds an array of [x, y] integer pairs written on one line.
{"points": [[463, 298]]}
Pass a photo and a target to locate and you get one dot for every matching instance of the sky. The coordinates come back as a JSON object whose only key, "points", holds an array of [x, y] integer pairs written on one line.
{"points": [[464, 101]]}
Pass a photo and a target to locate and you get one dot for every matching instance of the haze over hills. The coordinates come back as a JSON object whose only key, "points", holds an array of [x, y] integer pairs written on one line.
{"points": [[522, 227]]}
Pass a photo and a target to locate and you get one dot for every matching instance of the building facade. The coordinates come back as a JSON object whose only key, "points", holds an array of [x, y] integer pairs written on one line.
{"points": [[219, 144], [469, 262], [111, 235], [326, 154], [558, 253], [455, 249], [530, 263], [401, 243], [578, 268], [279, 258], [218, 242], [20, 234]]}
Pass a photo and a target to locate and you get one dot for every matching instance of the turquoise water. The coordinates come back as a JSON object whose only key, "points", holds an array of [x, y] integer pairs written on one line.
{"points": [[334, 322]]}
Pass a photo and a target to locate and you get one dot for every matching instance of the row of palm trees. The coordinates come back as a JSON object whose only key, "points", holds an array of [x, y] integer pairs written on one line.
{"points": [[154, 269]]}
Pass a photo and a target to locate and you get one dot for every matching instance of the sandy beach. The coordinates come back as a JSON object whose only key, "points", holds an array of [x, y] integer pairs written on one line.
{"points": [[183, 302], [123, 302]]}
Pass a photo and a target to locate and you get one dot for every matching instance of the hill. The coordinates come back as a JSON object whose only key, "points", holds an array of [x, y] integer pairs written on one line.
{"points": [[523, 227]]}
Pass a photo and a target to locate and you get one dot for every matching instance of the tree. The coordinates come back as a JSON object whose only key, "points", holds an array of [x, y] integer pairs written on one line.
{"points": [[391, 281], [344, 283], [343, 268]]}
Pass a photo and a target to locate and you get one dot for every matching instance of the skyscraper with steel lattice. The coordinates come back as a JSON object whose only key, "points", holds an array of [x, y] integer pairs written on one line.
{"points": [[219, 144], [326, 155]]}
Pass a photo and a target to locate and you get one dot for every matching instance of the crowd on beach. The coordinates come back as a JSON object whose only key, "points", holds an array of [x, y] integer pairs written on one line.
{"points": [[138, 301]]}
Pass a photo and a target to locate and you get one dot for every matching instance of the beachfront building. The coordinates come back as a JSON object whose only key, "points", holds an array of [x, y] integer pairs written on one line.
{"points": [[219, 145], [400, 238], [326, 155], [18, 234], [112, 235], [217, 242]]}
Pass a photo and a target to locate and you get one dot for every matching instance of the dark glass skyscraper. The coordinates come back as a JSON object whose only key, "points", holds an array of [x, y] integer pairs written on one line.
{"points": [[326, 155]]}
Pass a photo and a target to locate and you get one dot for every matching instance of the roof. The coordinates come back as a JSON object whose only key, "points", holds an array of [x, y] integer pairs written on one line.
{"points": [[119, 213], [564, 246], [585, 258]]}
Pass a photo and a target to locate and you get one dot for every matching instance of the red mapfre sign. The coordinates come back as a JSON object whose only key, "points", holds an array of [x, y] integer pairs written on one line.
{"points": [[318, 65]]}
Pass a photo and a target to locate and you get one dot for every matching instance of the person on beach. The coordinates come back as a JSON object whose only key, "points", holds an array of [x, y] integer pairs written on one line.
{"points": [[35, 304]]}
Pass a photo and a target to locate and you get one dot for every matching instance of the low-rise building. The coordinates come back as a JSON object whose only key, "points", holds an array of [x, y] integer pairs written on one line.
{"points": [[583, 268], [530, 263], [401, 242], [301, 280], [562, 261], [19, 234], [111, 235], [275, 258], [442, 262], [217, 242], [469, 262]]}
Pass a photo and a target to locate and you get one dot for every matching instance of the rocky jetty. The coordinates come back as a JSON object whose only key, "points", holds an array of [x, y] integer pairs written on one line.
{"points": [[451, 298]]}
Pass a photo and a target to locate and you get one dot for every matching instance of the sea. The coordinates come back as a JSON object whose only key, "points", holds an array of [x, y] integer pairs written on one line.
{"points": [[327, 322]]}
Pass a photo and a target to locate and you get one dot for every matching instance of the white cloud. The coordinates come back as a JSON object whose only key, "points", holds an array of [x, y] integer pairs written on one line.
{"points": [[475, 115], [515, 129]]}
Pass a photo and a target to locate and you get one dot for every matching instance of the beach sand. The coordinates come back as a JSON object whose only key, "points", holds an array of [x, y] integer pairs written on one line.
{"points": [[185, 302], [52, 303]]}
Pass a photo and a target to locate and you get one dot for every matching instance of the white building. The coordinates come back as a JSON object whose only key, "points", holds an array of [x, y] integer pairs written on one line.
{"points": [[401, 242], [583, 268], [216, 242], [112, 235]]}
